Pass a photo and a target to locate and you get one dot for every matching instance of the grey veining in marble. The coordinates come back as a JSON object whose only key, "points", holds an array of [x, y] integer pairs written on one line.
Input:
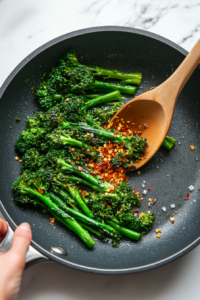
{"points": [[26, 25]]}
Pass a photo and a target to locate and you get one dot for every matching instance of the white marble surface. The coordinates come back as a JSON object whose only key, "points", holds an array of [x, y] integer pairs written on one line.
{"points": [[26, 25]]}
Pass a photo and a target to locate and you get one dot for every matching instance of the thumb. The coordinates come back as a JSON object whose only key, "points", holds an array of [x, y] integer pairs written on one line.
{"points": [[22, 239]]}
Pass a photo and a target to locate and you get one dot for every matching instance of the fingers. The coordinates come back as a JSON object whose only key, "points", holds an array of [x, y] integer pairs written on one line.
{"points": [[3, 229], [22, 239]]}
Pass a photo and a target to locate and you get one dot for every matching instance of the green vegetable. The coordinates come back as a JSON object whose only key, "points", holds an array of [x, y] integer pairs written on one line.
{"points": [[28, 185], [59, 144], [168, 142]]}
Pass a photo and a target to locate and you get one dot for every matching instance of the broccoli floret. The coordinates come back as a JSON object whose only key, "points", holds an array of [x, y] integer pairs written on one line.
{"points": [[142, 224], [31, 138]]}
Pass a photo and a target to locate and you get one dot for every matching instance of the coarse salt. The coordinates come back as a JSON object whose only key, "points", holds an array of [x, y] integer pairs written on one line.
{"points": [[164, 208], [144, 181], [149, 204], [144, 192], [191, 188], [143, 185], [172, 205]]}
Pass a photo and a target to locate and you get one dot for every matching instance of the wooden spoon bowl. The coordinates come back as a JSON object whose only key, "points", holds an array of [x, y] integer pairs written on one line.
{"points": [[143, 113]]}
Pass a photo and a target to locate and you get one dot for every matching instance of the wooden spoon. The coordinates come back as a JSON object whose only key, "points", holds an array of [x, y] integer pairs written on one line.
{"points": [[156, 107]]}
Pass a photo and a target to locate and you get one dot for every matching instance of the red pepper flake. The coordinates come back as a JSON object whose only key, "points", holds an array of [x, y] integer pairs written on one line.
{"points": [[154, 201], [41, 191], [105, 126], [21, 173], [57, 108], [139, 205], [52, 220], [127, 179], [147, 90], [136, 211], [149, 188], [141, 198], [48, 116], [67, 186], [187, 196], [172, 220], [80, 169], [135, 191], [71, 205]]}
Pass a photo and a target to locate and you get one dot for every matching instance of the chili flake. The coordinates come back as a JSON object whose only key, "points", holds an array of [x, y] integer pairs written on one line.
{"points": [[187, 196], [149, 188], [52, 220], [192, 147], [172, 220], [41, 191]]}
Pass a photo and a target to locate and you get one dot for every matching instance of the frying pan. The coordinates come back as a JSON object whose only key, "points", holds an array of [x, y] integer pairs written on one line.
{"points": [[168, 173]]}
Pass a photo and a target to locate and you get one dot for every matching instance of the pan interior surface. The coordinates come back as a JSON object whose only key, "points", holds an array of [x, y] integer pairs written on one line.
{"points": [[169, 174]]}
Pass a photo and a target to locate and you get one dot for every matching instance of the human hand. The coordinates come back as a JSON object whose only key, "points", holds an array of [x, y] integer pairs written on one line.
{"points": [[12, 263]]}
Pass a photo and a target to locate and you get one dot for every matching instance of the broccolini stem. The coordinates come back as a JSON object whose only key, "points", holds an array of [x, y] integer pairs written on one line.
{"points": [[168, 142], [69, 141], [66, 219], [100, 132], [89, 228], [94, 180], [65, 197], [116, 104], [135, 77], [133, 81], [91, 96], [125, 231], [106, 86], [80, 180], [91, 222], [75, 194], [102, 99]]}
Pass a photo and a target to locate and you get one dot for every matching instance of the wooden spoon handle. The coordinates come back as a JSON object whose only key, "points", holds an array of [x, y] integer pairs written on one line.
{"points": [[172, 87]]}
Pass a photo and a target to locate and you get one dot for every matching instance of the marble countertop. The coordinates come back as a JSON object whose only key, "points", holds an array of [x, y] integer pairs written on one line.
{"points": [[26, 25]]}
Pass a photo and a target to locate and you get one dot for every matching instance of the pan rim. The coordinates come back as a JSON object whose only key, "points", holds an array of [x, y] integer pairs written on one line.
{"points": [[3, 89]]}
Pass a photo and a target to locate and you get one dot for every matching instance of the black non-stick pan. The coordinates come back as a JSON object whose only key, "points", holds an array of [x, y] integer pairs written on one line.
{"points": [[168, 173]]}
